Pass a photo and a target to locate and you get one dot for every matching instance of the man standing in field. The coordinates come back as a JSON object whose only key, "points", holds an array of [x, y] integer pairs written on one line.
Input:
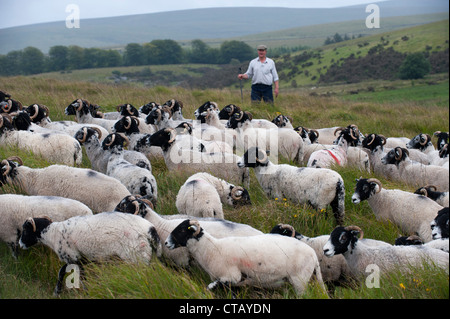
{"points": [[263, 73]]}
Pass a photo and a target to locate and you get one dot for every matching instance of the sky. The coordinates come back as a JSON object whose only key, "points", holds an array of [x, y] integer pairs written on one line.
{"points": [[24, 12]]}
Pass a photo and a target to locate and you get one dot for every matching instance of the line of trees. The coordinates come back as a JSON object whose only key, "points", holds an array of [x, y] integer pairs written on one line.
{"points": [[63, 58]]}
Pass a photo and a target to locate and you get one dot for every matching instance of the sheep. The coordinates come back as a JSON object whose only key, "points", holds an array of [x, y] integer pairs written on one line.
{"points": [[431, 191], [216, 136], [423, 143], [262, 261], [230, 110], [138, 180], [347, 241], [15, 209], [39, 115], [176, 108], [439, 226], [164, 225], [282, 121], [93, 238], [442, 139], [203, 194], [285, 142], [55, 148], [82, 109], [222, 164], [333, 268], [96, 190], [417, 174], [99, 158], [318, 187], [161, 117], [137, 141], [329, 157], [10, 106], [441, 244], [411, 212]]}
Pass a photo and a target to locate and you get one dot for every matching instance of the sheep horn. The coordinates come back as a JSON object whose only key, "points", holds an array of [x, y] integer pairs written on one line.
{"points": [[7, 167], [127, 141], [83, 139], [15, 158], [197, 225], [149, 203], [31, 220], [373, 139], [127, 120], [434, 188], [352, 127], [241, 113], [400, 153], [423, 192], [437, 133], [1, 120], [383, 138], [98, 131], [264, 159], [376, 181], [338, 129], [137, 120], [173, 134], [250, 115], [232, 109], [80, 106], [234, 191], [36, 111], [425, 137], [113, 137], [289, 227], [361, 233]]}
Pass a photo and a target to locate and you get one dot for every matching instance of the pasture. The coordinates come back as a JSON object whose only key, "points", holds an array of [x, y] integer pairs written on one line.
{"points": [[33, 274]]}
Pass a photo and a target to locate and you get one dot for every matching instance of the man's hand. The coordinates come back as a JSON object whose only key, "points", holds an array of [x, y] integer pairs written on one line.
{"points": [[242, 76]]}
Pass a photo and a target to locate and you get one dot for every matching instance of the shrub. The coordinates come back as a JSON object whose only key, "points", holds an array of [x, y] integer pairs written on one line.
{"points": [[415, 66]]}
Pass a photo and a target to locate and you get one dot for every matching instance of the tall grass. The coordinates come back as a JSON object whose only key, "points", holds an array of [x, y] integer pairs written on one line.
{"points": [[33, 274]]}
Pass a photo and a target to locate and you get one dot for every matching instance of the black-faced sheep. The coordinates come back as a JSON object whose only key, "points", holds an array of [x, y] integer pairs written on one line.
{"points": [[203, 194], [347, 241], [93, 238], [97, 191], [318, 187], [15, 209], [431, 191], [262, 261]]}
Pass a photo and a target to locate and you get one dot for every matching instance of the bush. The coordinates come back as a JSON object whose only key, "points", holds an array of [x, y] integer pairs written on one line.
{"points": [[415, 66]]}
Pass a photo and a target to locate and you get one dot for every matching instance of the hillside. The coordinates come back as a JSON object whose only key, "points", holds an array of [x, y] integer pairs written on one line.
{"points": [[196, 24]]}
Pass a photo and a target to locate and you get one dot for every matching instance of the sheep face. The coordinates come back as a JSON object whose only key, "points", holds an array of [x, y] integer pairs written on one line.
{"points": [[364, 189], [77, 106], [8, 169], [254, 157], [183, 128], [281, 121], [37, 112], [5, 123], [10, 106], [127, 110], [86, 133], [185, 231], [439, 226], [442, 139], [285, 230], [127, 125], [238, 196], [228, 111], [32, 230], [342, 239], [147, 108], [22, 121], [237, 119], [203, 108], [419, 142], [114, 140], [395, 156], [372, 141], [163, 138], [408, 241]]}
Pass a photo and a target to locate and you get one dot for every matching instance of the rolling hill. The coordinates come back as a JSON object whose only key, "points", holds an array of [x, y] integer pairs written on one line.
{"points": [[197, 24]]}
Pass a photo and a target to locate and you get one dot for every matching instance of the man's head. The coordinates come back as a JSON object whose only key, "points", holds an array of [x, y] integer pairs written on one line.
{"points": [[262, 51]]}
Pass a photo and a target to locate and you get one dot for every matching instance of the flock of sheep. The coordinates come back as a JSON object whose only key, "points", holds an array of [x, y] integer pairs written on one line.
{"points": [[109, 210]]}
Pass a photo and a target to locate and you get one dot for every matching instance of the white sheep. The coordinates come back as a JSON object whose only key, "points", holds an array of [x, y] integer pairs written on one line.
{"points": [[431, 191], [411, 212], [333, 268], [39, 114], [96, 190], [165, 224], [223, 165], [285, 142], [318, 187], [347, 241], [261, 261], [15, 209], [93, 238], [138, 180], [336, 155], [203, 194], [55, 148], [82, 109], [417, 174]]}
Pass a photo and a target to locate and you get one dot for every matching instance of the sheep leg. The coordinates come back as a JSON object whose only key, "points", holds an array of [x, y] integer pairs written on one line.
{"points": [[14, 249], [225, 285]]}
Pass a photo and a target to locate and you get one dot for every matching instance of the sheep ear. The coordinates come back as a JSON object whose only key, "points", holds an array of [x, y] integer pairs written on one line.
{"points": [[192, 228]]}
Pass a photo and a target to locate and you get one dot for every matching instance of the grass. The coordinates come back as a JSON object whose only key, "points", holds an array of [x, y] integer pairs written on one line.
{"points": [[33, 274]]}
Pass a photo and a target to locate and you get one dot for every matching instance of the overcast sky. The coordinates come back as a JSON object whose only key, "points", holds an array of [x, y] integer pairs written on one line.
{"points": [[22, 12]]}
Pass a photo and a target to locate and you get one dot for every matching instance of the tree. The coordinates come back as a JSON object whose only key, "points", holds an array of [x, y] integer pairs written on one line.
{"points": [[235, 50], [415, 66], [163, 52], [75, 56], [32, 61], [58, 58], [134, 54]]}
